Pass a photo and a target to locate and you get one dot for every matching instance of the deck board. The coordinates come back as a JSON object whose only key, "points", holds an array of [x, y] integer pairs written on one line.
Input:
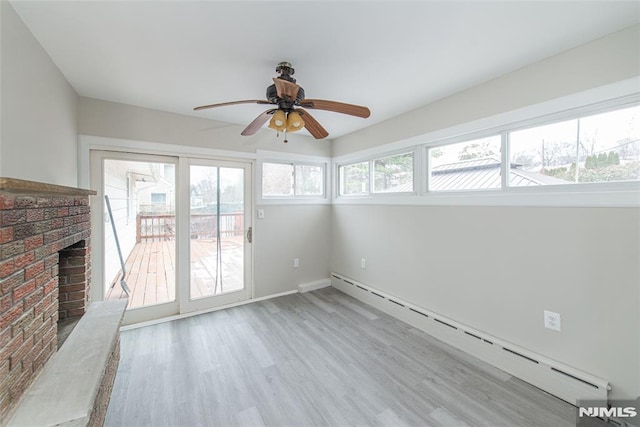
{"points": [[151, 271]]}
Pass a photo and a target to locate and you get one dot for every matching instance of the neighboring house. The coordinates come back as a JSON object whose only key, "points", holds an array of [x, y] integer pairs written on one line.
{"points": [[133, 187], [156, 190]]}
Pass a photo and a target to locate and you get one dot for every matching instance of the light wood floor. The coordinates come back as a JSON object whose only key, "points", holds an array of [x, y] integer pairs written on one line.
{"points": [[315, 359], [151, 271]]}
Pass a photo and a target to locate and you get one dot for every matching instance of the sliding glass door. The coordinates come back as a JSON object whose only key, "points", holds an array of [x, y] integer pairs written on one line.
{"points": [[172, 234], [219, 230]]}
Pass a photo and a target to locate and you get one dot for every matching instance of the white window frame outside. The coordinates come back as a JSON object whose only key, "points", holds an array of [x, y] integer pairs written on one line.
{"points": [[157, 194]]}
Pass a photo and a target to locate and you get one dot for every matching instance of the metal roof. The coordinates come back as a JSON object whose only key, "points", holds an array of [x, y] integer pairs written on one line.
{"points": [[479, 174]]}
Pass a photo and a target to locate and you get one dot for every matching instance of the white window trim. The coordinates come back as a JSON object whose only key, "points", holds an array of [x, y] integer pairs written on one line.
{"points": [[417, 178], [613, 96], [86, 143], [158, 203], [459, 140], [264, 156], [415, 153], [336, 172], [595, 101], [277, 162], [324, 167]]}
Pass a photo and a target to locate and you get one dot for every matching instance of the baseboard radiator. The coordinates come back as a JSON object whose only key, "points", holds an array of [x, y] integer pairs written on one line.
{"points": [[565, 382]]}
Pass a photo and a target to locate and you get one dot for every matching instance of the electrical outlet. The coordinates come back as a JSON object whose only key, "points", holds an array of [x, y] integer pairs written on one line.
{"points": [[363, 263], [296, 262], [552, 321], [260, 213]]}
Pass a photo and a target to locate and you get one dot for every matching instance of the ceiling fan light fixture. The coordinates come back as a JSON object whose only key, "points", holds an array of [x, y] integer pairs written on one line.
{"points": [[278, 121], [294, 122]]}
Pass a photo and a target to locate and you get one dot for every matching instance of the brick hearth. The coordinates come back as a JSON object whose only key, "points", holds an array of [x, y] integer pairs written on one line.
{"points": [[45, 273]]}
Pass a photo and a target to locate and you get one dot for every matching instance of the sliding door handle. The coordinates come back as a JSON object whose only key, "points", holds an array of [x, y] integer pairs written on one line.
{"points": [[250, 234]]}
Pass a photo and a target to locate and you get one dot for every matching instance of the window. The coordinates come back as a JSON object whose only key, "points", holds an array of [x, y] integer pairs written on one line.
{"points": [[393, 174], [389, 174], [599, 148], [159, 198], [354, 179], [591, 145], [469, 165], [309, 180], [292, 180], [277, 179]]}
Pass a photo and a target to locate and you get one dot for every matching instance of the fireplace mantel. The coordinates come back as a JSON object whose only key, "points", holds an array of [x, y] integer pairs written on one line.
{"points": [[20, 186]]}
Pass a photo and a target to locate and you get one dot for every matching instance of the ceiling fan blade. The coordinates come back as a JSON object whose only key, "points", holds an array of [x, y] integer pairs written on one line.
{"points": [[223, 104], [285, 89], [338, 107], [312, 125], [257, 123]]}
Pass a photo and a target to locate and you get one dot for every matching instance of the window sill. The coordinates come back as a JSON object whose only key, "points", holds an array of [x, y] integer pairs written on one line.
{"points": [[625, 194], [294, 201]]}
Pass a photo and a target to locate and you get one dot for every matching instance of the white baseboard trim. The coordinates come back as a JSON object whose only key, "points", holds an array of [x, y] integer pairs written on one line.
{"points": [[558, 379], [197, 313], [312, 286]]}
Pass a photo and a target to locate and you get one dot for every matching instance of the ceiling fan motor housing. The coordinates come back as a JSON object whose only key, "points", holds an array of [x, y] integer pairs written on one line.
{"points": [[283, 104]]}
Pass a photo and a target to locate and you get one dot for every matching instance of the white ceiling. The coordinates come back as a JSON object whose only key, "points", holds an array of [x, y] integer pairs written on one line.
{"points": [[391, 56]]}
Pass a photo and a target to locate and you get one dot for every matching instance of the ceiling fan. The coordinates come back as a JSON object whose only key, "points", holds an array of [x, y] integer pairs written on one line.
{"points": [[290, 114]]}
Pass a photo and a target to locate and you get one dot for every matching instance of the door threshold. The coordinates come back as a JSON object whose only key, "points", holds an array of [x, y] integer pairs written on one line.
{"points": [[199, 312]]}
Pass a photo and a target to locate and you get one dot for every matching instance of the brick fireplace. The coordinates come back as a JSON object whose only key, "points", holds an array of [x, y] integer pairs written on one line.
{"points": [[45, 276]]}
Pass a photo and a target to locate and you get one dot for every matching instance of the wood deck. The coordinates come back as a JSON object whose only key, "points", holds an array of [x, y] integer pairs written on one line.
{"points": [[151, 271]]}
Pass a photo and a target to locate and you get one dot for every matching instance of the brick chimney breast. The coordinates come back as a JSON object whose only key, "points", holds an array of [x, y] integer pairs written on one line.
{"points": [[45, 276]]}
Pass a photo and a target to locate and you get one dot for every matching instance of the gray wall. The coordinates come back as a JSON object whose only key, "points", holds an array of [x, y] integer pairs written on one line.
{"points": [[497, 268], [41, 116], [494, 269], [607, 60], [38, 138], [285, 233], [109, 119]]}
